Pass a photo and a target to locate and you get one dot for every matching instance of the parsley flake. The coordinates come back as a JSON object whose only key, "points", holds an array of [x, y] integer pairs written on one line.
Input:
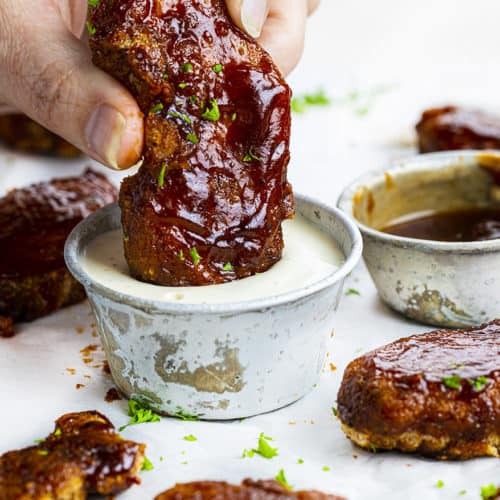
{"points": [[281, 478], [43, 453], [190, 438], [373, 448], [217, 68], [247, 453], [57, 432], [161, 176], [187, 67], [264, 449], [233, 117], [182, 259], [326, 468], [193, 99], [462, 492], [182, 85], [181, 413], [93, 3], [251, 156], [227, 267], [440, 484], [335, 411], [300, 461], [156, 108], [147, 464], [139, 414], [489, 491], [212, 113], [453, 382], [352, 291], [195, 256], [38, 441], [192, 138], [302, 103], [90, 28], [479, 384]]}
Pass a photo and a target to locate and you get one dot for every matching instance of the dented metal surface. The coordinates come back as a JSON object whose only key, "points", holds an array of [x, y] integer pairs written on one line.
{"points": [[437, 283], [220, 361]]}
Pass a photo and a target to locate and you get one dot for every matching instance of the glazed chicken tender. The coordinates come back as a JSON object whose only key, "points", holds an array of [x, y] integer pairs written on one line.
{"points": [[437, 394], [208, 202]]}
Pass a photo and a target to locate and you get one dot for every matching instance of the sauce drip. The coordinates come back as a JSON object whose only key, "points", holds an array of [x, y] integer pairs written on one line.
{"points": [[468, 224]]}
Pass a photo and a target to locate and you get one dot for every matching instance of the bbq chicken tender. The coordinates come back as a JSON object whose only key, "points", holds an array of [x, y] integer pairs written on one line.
{"points": [[83, 455], [208, 202], [249, 490], [451, 127], [437, 394]]}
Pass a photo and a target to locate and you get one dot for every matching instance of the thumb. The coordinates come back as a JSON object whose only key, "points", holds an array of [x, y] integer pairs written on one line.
{"points": [[51, 78], [249, 15]]}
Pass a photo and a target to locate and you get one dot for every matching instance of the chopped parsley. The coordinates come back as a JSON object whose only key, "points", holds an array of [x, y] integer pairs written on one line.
{"points": [[479, 384], [251, 156], [190, 438], [489, 491], [440, 484], [302, 103], [352, 291], [281, 478], [156, 108], [326, 468], [264, 449], [90, 28], [139, 414], [38, 441], [300, 461], [335, 411], [233, 117], [181, 116], [57, 432], [192, 138], [147, 464], [453, 382], [212, 113], [227, 267], [182, 259], [462, 492], [161, 176], [164, 76], [93, 3], [187, 67], [217, 68], [193, 99], [195, 256], [43, 453], [373, 448], [182, 85]]}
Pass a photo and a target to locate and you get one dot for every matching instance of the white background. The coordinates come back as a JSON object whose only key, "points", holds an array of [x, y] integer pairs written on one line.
{"points": [[423, 53]]}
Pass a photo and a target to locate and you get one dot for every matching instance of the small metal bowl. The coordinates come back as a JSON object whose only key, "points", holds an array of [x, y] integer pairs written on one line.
{"points": [[437, 283], [217, 361]]}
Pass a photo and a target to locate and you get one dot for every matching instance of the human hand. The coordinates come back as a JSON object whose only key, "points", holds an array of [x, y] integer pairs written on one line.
{"points": [[46, 72], [278, 25]]}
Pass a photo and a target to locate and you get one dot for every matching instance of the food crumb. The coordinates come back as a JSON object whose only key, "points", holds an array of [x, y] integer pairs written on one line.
{"points": [[6, 327], [87, 376], [112, 395], [292, 422], [71, 371], [79, 386], [105, 367], [79, 329], [355, 457], [332, 367]]}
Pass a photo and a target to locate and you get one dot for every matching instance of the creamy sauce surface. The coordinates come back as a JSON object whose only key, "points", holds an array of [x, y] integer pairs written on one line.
{"points": [[309, 256]]}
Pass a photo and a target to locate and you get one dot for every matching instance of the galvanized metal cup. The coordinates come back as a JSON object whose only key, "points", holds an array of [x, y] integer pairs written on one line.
{"points": [[217, 361], [438, 283]]}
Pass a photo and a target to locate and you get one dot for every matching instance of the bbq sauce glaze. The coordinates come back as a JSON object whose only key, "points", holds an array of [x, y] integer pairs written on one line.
{"points": [[467, 224]]}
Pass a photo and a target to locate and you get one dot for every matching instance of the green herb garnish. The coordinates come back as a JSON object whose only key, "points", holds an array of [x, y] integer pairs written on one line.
{"points": [[251, 156], [479, 384], [352, 291], [373, 448], [187, 67], [182, 85], [43, 453], [139, 414], [147, 464], [195, 256], [227, 267], [302, 103], [440, 484], [39, 441], [264, 449], [193, 99], [281, 478], [181, 116], [182, 259], [217, 68], [192, 138], [335, 411], [156, 108], [233, 117], [326, 468], [462, 492], [212, 113], [181, 413], [489, 491], [300, 461], [247, 453], [190, 438], [90, 28], [453, 382], [161, 176], [93, 3]]}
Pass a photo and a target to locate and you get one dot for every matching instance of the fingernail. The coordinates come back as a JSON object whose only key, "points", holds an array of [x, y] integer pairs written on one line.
{"points": [[105, 132], [253, 16]]}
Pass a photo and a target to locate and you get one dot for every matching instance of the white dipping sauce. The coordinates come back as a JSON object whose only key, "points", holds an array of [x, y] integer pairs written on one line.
{"points": [[309, 256]]}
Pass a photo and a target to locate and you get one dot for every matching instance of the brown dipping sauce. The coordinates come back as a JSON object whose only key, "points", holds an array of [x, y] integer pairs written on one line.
{"points": [[468, 224]]}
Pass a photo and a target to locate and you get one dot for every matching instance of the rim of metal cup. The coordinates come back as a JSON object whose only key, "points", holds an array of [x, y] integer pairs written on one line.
{"points": [[418, 163], [72, 252]]}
